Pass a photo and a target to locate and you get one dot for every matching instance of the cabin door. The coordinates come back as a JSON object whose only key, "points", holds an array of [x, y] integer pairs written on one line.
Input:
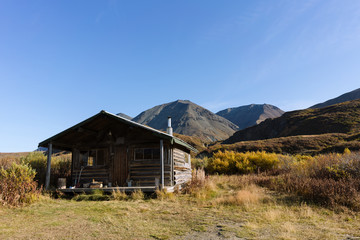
{"points": [[120, 169]]}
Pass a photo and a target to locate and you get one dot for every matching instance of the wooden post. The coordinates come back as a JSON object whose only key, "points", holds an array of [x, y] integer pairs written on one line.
{"points": [[48, 167], [162, 163], [171, 165], [73, 159]]}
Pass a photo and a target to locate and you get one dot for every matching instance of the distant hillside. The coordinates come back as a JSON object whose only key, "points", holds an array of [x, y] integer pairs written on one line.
{"points": [[196, 142], [339, 118], [188, 119], [250, 115], [124, 116], [353, 95], [302, 144]]}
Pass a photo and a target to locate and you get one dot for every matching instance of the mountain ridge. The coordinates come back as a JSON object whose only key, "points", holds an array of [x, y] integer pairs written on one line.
{"points": [[189, 119], [349, 96], [338, 118], [250, 115]]}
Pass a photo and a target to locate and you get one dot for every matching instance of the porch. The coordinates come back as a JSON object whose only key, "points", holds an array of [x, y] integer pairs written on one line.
{"points": [[145, 189]]}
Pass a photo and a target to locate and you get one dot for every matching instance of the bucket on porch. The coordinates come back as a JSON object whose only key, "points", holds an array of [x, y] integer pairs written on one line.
{"points": [[61, 183], [157, 182], [129, 182]]}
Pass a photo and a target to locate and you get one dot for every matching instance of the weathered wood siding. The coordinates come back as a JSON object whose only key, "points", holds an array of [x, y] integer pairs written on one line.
{"points": [[182, 166], [89, 173], [144, 173]]}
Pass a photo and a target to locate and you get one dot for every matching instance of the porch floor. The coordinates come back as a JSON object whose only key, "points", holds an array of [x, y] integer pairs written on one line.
{"points": [[145, 189]]}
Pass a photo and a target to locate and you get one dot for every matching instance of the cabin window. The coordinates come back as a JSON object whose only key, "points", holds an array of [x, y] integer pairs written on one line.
{"points": [[147, 154], [92, 158]]}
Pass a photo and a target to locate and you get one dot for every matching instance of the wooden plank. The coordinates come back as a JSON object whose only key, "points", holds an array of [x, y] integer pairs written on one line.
{"points": [[146, 165], [180, 168], [150, 172]]}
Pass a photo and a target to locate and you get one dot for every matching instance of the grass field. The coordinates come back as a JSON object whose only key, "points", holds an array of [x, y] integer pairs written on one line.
{"points": [[223, 209]]}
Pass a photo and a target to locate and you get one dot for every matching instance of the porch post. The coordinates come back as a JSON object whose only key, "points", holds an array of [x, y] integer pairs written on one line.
{"points": [[48, 167], [162, 163], [171, 166]]}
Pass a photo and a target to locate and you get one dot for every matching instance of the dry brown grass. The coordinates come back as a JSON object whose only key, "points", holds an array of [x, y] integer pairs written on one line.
{"points": [[251, 194], [236, 208], [6, 159]]}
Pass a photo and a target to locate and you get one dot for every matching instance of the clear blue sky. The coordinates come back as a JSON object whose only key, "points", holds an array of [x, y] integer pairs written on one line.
{"points": [[63, 61]]}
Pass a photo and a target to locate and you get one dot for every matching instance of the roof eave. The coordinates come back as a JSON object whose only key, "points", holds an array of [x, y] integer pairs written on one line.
{"points": [[153, 130]]}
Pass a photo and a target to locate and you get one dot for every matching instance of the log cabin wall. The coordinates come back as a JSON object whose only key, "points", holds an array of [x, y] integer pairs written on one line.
{"points": [[98, 171], [182, 166], [145, 165]]}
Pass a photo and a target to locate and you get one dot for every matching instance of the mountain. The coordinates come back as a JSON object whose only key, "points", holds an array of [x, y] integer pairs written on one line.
{"points": [[188, 119], [124, 116], [250, 115], [338, 118], [353, 95]]}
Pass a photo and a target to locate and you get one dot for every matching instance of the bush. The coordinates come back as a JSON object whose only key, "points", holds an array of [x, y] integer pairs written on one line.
{"points": [[200, 186], [199, 163], [325, 192], [230, 162], [60, 166], [17, 185], [329, 180]]}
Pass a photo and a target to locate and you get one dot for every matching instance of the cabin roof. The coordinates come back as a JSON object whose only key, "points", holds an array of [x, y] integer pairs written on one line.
{"points": [[119, 119]]}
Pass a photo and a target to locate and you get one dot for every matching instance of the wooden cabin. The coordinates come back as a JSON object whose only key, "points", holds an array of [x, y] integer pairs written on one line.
{"points": [[117, 153]]}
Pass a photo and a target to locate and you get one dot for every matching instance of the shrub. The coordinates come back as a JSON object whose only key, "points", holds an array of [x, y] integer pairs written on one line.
{"points": [[60, 166], [230, 162], [199, 163], [326, 192], [329, 180], [17, 185]]}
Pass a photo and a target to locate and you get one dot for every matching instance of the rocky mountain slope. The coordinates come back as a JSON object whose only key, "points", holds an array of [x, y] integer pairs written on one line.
{"points": [[339, 118], [188, 119], [250, 115], [353, 95], [124, 116]]}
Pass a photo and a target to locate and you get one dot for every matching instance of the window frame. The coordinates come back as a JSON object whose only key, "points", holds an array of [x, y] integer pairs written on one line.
{"points": [[95, 157], [154, 155]]}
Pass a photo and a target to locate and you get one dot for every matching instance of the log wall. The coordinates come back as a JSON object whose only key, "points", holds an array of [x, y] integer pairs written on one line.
{"points": [[182, 167], [88, 174], [144, 173]]}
